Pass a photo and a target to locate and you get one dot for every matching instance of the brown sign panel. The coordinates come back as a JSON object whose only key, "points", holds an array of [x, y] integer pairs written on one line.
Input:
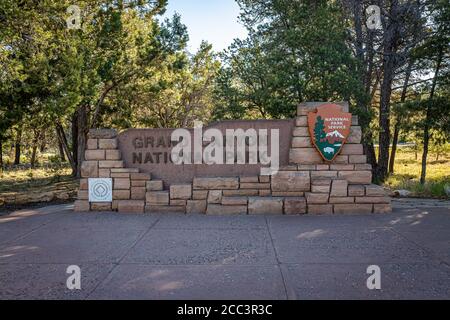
{"points": [[329, 128], [150, 151]]}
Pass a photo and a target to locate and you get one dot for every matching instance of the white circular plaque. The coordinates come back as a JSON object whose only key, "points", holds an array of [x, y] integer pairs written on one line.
{"points": [[100, 190]]}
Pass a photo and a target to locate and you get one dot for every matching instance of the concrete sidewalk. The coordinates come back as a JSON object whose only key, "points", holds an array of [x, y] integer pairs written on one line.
{"points": [[218, 257]]}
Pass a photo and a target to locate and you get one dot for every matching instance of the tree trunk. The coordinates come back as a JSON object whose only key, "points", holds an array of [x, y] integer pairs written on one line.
{"points": [[1, 155], [426, 131], [62, 138], [75, 141], [62, 156], [43, 142], [83, 130], [34, 147], [398, 118], [365, 75], [17, 146], [369, 148], [33, 156], [390, 45], [426, 143], [394, 146], [385, 135]]}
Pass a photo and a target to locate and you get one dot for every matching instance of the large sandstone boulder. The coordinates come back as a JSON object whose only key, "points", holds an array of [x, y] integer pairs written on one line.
{"points": [[294, 206], [269, 205], [216, 183], [287, 181], [217, 209], [196, 206], [157, 197], [183, 191]]}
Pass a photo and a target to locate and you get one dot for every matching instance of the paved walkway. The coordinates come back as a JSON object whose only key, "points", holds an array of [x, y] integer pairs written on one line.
{"points": [[239, 257]]}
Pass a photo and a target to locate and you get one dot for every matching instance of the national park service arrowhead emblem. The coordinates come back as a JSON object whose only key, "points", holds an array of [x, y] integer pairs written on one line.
{"points": [[329, 128]]}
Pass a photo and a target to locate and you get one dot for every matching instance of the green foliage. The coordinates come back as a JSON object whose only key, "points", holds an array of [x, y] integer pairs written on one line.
{"points": [[319, 130], [127, 68], [179, 92], [407, 175], [49, 72], [296, 51], [434, 114]]}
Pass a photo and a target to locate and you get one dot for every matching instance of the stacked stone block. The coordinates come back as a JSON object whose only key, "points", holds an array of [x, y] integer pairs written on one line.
{"points": [[308, 185], [104, 160], [343, 186]]}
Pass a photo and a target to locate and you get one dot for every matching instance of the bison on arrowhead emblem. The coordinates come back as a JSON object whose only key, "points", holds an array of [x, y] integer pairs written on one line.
{"points": [[329, 128]]}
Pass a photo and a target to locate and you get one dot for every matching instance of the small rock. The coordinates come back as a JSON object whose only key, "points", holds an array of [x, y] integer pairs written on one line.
{"points": [[402, 193], [62, 196]]}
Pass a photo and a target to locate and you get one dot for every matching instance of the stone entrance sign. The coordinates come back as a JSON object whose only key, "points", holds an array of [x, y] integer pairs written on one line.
{"points": [[149, 150], [144, 179]]}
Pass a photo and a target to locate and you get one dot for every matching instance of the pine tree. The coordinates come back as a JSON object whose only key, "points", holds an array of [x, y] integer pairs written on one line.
{"points": [[319, 130]]}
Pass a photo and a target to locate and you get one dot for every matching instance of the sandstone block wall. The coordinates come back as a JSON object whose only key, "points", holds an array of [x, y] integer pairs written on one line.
{"points": [[308, 185]]}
